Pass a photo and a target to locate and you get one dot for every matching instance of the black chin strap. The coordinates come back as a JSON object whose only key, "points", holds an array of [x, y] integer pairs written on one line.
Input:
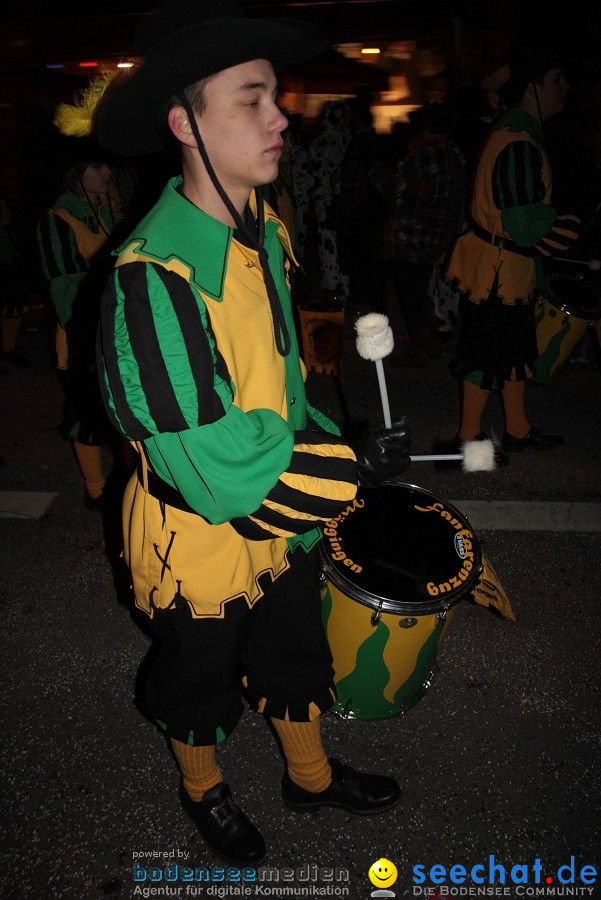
{"points": [[256, 241], [537, 98]]}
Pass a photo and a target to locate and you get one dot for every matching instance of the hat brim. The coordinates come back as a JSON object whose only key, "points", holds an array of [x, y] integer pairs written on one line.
{"points": [[127, 119]]}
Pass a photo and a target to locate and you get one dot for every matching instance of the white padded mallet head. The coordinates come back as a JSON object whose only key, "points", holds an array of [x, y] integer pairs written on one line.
{"points": [[475, 456], [374, 336], [478, 456], [375, 341]]}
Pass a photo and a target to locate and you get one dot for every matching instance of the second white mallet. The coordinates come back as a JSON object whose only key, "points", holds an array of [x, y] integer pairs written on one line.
{"points": [[375, 341]]}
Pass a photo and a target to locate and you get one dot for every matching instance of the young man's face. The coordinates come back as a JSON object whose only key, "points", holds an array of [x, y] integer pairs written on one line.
{"points": [[553, 92], [241, 126], [96, 178]]}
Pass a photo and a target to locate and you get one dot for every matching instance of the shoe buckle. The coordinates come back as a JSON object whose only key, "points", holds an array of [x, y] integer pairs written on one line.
{"points": [[224, 811]]}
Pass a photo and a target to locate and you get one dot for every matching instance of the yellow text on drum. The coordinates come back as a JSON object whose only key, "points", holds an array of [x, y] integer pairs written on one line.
{"points": [[464, 545], [331, 533]]}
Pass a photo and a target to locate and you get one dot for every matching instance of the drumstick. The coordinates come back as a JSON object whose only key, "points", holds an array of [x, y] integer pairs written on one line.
{"points": [[375, 341], [593, 264], [477, 456]]}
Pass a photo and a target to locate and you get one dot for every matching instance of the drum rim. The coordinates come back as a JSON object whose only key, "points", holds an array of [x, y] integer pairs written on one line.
{"points": [[403, 607], [563, 307]]}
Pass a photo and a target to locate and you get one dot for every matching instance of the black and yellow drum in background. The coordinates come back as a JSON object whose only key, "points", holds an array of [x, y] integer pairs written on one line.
{"points": [[564, 312], [395, 564]]}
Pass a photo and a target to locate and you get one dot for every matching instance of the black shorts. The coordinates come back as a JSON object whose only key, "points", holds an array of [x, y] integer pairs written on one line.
{"points": [[496, 339], [276, 654]]}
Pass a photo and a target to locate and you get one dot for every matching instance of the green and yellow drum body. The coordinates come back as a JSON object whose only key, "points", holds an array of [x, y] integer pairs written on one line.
{"points": [[395, 564], [564, 312]]}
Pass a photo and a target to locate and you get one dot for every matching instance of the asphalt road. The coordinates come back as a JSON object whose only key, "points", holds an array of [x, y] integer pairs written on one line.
{"points": [[500, 758]]}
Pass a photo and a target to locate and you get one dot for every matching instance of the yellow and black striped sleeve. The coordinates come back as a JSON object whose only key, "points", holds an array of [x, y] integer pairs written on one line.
{"points": [[319, 483], [564, 232]]}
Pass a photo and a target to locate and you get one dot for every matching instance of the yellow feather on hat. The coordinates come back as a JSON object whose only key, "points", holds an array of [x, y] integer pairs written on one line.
{"points": [[75, 120], [492, 83]]}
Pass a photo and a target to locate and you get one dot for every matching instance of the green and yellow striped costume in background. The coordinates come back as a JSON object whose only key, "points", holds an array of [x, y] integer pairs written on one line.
{"points": [[511, 198]]}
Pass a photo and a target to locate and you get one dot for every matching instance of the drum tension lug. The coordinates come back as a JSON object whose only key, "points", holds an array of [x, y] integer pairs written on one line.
{"points": [[442, 615], [377, 614]]}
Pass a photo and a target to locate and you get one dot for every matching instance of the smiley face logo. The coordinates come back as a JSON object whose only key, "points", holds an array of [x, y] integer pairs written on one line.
{"points": [[383, 873]]}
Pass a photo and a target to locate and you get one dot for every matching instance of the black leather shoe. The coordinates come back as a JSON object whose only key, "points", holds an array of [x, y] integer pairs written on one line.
{"points": [[96, 504], [356, 792], [224, 827], [534, 440]]}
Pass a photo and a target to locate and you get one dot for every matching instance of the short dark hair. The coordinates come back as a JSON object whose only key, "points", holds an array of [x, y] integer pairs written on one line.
{"points": [[194, 94]]}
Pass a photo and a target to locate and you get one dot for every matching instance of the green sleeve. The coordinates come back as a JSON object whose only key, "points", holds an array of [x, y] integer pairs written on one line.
{"points": [[226, 468], [61, 263], [519, 192], [63, 293], [322, 420], [252, 470], [528, 224]]}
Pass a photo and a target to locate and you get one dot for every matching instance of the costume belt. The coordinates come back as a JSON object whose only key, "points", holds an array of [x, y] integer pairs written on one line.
{"points": [[502, 243], [162, 491]]}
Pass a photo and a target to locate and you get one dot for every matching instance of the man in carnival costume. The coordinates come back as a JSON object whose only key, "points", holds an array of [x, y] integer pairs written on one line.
{"points": [[74, 238], [497, 264], [200, 369]]}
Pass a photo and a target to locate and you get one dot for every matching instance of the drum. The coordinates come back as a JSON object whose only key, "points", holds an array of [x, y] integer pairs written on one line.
{"points": [[564, 313], [395, 565]]}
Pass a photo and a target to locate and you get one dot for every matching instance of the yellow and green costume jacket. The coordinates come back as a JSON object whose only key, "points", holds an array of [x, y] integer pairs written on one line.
{"points": [[69, 236], [191, 373], [515, 224]]}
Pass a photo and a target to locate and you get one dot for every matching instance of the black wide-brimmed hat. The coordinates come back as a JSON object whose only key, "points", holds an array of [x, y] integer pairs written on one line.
{"points": [[181, 42], [528, 59]]}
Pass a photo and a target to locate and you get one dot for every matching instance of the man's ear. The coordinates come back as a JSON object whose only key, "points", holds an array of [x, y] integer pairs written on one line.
{"points": [[180, 126]]}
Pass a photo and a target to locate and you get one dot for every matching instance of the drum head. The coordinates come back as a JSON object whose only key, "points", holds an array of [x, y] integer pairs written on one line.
{"points": [[402, 550], [573, 296]]}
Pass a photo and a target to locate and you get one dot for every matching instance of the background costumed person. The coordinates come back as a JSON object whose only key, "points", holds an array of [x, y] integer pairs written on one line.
{"points": [[497, 263], [427, 193], [200, 368], [73, 242], [13, 290]]}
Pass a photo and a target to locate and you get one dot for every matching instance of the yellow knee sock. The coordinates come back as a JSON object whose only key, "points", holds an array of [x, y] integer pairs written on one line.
{"points": [[89, 458], [473, 402], [199, 768], [306, 761], [516, 421], [9, 328]]}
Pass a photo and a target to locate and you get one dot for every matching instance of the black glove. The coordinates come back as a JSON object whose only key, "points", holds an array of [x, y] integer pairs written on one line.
{"points": [[383, 453]]}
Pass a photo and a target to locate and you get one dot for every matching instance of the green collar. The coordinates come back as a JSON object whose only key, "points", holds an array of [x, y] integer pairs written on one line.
{"points": [[73, 204], [517, 119], [82, 210], [202, 242]]}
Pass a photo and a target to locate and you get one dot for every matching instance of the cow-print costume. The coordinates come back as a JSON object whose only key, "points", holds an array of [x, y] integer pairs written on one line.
{"points": [[326, 152]]}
